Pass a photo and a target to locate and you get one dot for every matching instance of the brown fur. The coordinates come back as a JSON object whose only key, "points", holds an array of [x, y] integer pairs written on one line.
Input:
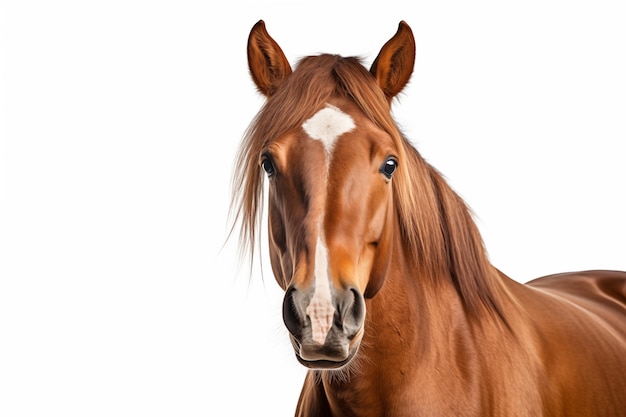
{"points": [[445, 333]]}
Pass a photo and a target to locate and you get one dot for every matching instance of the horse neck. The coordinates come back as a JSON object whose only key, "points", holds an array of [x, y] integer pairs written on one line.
{"points": [[419, 316]]}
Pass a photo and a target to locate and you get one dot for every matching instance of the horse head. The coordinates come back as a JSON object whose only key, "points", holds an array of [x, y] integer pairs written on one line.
{"points": [[330, 168]]}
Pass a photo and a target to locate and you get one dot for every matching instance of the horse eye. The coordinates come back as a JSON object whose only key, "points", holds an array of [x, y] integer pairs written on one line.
{"points": [[389, 167], [268, 166]]}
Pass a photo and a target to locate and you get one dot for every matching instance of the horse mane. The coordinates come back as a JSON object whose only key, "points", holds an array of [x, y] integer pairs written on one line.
{"points": [[436, 225]]}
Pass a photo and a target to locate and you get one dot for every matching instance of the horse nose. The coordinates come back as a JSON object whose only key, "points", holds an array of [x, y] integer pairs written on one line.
{"points": [[349, 308], [323, 330]]}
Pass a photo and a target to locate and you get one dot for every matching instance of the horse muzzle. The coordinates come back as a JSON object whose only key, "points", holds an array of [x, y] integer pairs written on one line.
{"points": [[325, 331]]}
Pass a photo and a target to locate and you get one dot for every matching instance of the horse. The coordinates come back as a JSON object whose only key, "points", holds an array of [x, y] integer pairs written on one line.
{"points": [[390, 299]]}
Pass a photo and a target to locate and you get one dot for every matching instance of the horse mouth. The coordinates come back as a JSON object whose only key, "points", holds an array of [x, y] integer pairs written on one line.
{"points": [[324, 364], [315, 356]]}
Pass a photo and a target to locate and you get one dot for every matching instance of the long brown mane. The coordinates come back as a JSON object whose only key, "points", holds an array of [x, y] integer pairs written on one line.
{"points": [[436, 225]]}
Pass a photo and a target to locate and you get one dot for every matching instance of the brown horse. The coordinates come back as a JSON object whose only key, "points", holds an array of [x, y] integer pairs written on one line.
{"points": [[390, 298]]}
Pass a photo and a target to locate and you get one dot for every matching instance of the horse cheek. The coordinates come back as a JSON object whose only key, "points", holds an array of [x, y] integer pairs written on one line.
{"points": [[380, 265]]}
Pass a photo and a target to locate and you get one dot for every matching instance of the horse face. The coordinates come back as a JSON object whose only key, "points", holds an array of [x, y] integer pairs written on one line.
{"points": [[330, 199], [329, 227]]}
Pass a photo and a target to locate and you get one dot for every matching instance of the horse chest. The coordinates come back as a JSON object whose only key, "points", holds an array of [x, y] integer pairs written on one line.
{"points": [[376, 396]]}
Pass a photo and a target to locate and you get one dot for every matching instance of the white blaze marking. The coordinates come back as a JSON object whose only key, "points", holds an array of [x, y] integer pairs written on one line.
{"points": [[320, 309], [327, 125]]}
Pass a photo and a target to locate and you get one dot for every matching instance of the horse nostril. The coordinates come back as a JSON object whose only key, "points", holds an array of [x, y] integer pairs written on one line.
{"points": [[290, 313], [352, 312], [358, 306]]}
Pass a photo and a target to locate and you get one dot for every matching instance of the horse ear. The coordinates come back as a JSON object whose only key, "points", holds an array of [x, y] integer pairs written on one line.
{"points": [[394, 64], [267, 62]]}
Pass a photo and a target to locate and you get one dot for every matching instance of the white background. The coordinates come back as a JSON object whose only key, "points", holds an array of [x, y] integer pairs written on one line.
{"points": [[120, 123]]}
